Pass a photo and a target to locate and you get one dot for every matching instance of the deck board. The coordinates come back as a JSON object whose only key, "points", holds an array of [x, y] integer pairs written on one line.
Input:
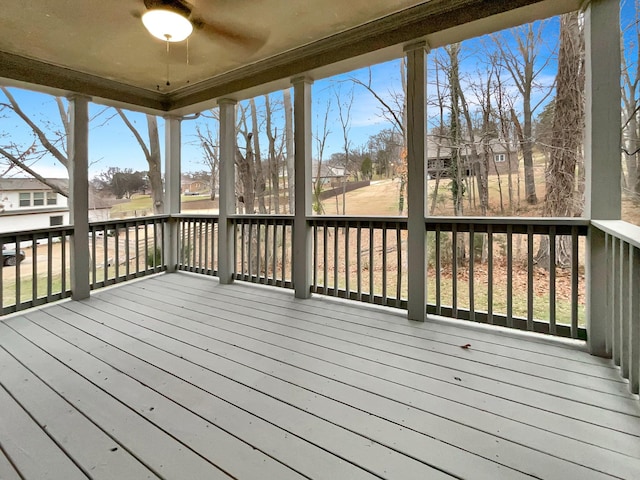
{"points": [[192, 379]]}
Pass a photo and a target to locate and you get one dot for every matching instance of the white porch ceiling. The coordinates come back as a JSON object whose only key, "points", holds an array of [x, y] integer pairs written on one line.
{"points": [[100, 48]]}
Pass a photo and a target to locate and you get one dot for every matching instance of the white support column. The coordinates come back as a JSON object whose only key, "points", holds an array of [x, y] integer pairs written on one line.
{"points": [[416, 178], [602, 154], [79, 196], [172, 169], [302, 192], [227, 186]]}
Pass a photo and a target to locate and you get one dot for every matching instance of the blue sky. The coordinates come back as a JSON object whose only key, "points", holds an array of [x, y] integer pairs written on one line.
{"points": [[112, 144]]}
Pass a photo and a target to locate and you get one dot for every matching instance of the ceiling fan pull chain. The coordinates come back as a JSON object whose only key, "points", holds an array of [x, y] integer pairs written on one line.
{"points": [[168, 83]]}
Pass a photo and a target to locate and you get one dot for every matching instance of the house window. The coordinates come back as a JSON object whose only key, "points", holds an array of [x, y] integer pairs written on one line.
{"points": [[499, 158], [52, 198], [38, 199], [55, 221], [25, 199]]}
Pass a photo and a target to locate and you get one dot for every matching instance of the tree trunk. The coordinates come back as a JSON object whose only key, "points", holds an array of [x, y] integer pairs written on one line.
{"points": [[274, 167], [153, 159], [288, 134], [561, 198], [260, 186]]}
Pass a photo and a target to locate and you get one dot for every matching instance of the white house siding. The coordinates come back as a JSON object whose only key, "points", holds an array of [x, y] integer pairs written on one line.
{"points": [[30, 220]]}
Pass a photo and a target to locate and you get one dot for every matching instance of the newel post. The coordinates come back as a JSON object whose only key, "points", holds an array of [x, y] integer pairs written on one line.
{"points": [[227, 185], [302, 187], [602, 158], [416, 181], [79, 195], [173, 146]]}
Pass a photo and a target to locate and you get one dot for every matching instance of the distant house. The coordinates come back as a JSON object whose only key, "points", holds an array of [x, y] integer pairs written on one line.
{"points": [[194, 187], [439, 154], [28, 204], [329, 174]]}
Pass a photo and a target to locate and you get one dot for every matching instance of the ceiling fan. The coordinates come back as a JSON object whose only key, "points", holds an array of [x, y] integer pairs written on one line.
{"points": [[175, 20]]}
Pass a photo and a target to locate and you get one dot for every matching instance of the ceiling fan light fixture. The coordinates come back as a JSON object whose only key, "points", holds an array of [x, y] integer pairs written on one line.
{"points": [[167, 25]]}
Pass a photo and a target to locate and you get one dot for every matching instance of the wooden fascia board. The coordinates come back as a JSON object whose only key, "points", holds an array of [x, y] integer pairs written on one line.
{"points": [[426, 19], [34, 74]]}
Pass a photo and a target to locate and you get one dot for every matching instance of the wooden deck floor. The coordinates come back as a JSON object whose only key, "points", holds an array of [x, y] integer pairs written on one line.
{"points": [[178, 377]]}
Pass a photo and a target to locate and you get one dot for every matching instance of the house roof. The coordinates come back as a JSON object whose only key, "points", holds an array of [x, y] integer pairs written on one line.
{"points": [[100, 48], [30, 184], [440, 147]]}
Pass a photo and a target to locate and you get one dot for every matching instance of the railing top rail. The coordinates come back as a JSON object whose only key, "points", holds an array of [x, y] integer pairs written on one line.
{"points": [[620, 229], [120, 221], [39, 232], [543, 221], [262, 217], [203, 216], [359, 218]]}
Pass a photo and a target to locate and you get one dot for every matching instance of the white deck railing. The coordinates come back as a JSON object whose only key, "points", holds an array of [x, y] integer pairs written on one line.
{"points": [[622, 245], [479, 269]]}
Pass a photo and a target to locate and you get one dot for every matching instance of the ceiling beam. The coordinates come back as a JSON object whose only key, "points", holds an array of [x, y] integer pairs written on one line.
{"points": [[63, 81]]}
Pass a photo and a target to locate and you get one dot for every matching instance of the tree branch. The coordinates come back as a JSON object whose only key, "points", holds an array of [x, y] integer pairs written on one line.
{"points": [[39, 133], [20, 164], [126, 121]]}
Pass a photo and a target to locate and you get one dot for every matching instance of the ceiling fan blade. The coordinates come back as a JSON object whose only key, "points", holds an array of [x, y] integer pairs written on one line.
{"points": [[233, 34]]}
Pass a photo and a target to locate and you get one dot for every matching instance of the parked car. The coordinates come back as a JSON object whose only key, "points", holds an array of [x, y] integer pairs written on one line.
{"points": [[10, 258]]}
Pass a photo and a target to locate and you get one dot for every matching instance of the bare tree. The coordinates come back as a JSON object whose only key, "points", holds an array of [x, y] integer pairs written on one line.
{"points": [[394, 110], [245, 162], [26, 157], [631, 105], [457, 162], [344, 114], [288, 135], [260, 184], [562, 192], [321, 140], [210, 144], [152, 155], [522, 63]]}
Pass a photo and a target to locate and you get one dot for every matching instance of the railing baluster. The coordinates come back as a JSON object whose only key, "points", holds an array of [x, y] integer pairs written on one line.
{"points": [[530, 277], [384, 264], [275, 245], [359, 260], [18, 279], [509, 276], [242, 247], [472, 254], [126, 250], [335, 259], [552, 280], [50, 267], [490, 274], [258, 249], [206, 268], [267, 246], [454, 271], [63, 259], [438, 273], [284, 253], [615, 300], [625, 292], [325, 248], [315, 255], [574, 282], [634, 320], [117, 253], [34, 268], [399, 264], [347, 269], [371, 285]]}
